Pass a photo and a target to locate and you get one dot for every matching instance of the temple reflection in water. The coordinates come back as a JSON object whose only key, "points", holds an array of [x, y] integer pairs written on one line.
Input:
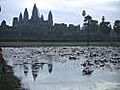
{"points": [[36, 67], [75, 68]]}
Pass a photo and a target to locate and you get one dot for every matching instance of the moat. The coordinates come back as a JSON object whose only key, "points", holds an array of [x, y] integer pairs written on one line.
{"points": [[66, 68]]}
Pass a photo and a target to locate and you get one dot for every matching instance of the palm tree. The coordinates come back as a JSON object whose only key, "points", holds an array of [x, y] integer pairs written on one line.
{"points": [[83, 13], [87, 20]]}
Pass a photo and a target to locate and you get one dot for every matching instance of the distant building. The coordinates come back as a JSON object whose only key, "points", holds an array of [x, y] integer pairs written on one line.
{"points": [[36, 28], [3, 24], [15, 22], [73, 27], [60, 27]]}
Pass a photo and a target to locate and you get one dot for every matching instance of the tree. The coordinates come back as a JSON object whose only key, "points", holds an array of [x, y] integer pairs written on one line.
{"points": [[117, 26], [93, 25], [104, 26], [87, 20], [83, 13], [103, 18]]}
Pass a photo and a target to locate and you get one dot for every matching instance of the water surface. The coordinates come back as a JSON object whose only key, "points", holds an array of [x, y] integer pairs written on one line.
{"points": [[66, 68]]}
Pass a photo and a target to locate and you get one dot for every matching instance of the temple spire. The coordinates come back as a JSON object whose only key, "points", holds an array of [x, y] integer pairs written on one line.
{"points": [[26, 15], [42, 17], [50, 18], [20, 19], [35, 15]]}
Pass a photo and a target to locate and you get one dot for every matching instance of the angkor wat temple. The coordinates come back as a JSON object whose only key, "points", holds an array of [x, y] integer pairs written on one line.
{"points": [[38, 29]]}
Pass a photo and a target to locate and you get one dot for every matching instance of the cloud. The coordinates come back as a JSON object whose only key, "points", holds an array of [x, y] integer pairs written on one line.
{"points": [[115, 4], [67, 10]]}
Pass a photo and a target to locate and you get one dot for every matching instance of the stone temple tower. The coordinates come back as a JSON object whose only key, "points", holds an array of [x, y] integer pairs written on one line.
{"points": [[50, 18], [35, 16], [26, 17]]}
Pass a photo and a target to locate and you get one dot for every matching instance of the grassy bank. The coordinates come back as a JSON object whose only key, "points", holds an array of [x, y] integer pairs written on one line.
{"points": [[32, 44], [8, 81]]}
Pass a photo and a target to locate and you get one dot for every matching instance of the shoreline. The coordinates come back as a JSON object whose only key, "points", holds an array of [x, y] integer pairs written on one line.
{"points": [[37, 44], [8, 81]]}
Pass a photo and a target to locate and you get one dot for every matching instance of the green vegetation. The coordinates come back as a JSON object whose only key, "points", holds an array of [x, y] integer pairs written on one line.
{"points": [[8, 81], [35, 44]]}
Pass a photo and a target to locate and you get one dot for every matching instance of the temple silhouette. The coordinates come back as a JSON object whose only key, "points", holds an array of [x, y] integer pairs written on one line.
{"points": [[35, 28], [36, 67]]}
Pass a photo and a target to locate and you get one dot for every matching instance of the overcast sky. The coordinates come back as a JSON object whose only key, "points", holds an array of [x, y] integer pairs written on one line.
{"points": [[67, 11]]}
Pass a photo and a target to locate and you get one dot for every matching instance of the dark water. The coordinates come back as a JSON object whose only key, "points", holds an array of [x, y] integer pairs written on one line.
{"points": [[66, 68]]}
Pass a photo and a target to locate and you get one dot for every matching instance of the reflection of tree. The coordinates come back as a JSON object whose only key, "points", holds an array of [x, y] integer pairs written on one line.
{"points": [[50, 66], [25, 67], [88, 64], [103, 58]]}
